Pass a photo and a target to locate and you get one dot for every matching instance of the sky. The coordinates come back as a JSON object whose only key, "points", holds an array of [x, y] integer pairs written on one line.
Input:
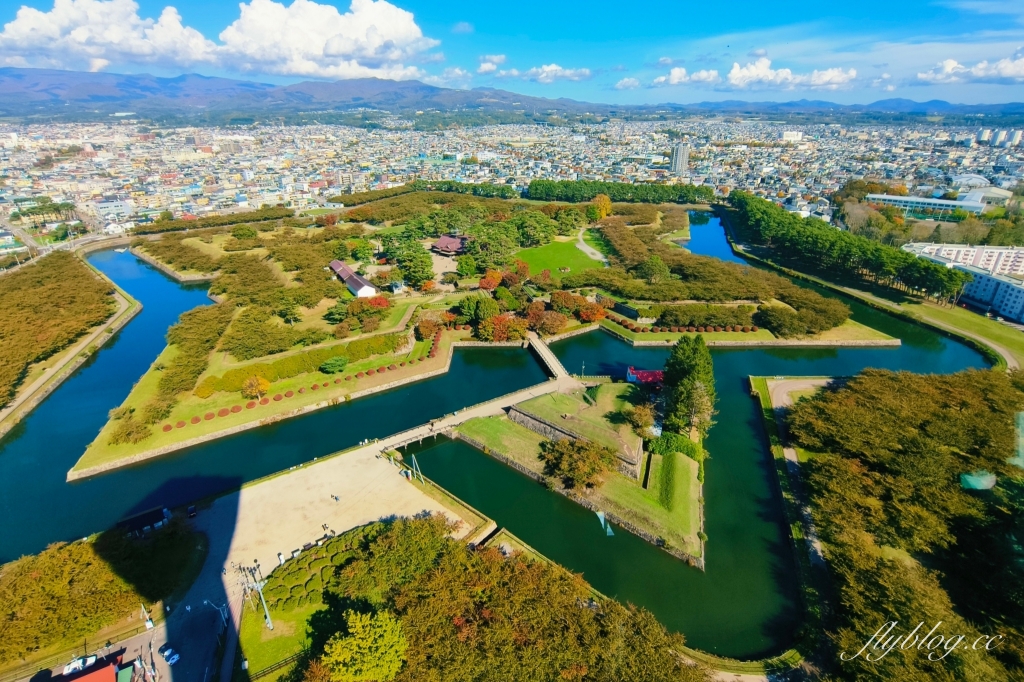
{"points": [[963, 51]]}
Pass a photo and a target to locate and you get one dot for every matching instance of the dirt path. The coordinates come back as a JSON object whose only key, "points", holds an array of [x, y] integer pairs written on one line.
{"points": [[588, 249]]}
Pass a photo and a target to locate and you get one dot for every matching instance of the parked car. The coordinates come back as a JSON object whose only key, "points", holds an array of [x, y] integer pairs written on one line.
{"points": [[79, 664], [169, 654]]}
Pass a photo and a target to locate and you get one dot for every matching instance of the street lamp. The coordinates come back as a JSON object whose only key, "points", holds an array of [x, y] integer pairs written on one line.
{"points": [[222, 610]]}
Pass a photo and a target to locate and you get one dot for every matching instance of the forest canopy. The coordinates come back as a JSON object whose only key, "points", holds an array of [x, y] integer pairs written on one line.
{"points": [[904, 540], [44, 308]]}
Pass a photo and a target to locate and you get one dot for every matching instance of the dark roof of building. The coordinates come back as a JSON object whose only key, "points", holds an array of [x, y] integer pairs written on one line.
{"points": [[448, 243], [349, 276]]}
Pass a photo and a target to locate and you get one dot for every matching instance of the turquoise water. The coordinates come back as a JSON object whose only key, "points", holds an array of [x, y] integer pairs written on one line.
{"points": [[38, 507]]}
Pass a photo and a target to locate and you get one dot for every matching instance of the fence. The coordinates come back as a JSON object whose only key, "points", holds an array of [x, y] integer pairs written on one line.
{"points": [[276, 666]]}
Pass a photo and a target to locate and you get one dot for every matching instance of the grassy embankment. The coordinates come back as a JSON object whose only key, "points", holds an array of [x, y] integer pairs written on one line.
{"points": [[811, 582], [557, 255], [599, 421], [101, 452]]}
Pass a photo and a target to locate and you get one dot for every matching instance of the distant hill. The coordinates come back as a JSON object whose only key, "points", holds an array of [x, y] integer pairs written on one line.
{"points": [[47, 94]]}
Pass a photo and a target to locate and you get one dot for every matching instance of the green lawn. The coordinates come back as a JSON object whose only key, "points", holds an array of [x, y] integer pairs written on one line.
{"points": [[971, 322], [599, 422], [852, 331], [262, 647], [507, 438], [679, 527], [558, 255]]}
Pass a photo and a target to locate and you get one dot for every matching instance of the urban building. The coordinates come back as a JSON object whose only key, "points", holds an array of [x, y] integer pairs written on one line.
{"points": [[680, 160], [998, 294], [1000, 260], [912, 204]]}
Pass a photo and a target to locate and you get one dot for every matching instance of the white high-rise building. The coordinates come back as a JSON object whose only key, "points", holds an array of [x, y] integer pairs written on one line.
{"points": [[999, 138], [680, 161], [1015, 137], [984, 135], [792, 136]]}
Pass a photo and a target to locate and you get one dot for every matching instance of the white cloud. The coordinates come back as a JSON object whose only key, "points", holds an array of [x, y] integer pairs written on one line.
{"points": [[305, 38], [1009, 70], [548, 73], [454, 77], [309, 39], [761, 74], [678, 76], [463, 27], [489, 63], [666, 61], [627, 84], [760, 52], [98, 32]]}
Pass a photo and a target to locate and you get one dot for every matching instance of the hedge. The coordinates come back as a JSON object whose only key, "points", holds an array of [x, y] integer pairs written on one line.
{"points": [[300, 363], [260, 215]]}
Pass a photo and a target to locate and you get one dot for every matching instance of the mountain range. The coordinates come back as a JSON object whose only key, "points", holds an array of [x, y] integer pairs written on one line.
{"points": [[68, 95]]}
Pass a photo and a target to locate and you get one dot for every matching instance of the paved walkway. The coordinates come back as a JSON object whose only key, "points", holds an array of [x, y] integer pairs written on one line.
{"points": [[588, 249], [780, 392], [28, 392]]}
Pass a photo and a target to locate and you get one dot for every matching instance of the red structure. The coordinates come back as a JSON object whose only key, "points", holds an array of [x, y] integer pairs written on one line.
{"points": [[645, 377]]}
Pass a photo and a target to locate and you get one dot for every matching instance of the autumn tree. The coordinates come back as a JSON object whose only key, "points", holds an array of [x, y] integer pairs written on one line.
{"points": [[579, 463], [603, 203], [255, 387], [373, 650]]}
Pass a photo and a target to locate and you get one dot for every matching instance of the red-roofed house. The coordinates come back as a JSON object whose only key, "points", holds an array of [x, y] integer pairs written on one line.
{"points": [[448, 246], [646, 377], [355, 282], [104, 671]]}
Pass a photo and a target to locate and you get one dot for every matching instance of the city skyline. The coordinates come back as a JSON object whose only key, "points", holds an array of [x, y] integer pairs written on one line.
{"points": [[961, 51]]}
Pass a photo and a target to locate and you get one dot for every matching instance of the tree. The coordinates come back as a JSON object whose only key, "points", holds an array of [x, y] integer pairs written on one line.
{"points": [[592, 312], [165, 215], [491, 280], [700, 408], [334, 365], [450, 278], [244, 232], [486, 308], [466, 266], [550, 322], [690, 386], [641, 418], [255, 387], [603, 203], [578, 463], [373, 650], [534, 312], [653, 270]]}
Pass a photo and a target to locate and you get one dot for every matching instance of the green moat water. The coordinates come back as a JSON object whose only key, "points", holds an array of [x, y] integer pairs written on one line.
{"points": [[743, 605]]}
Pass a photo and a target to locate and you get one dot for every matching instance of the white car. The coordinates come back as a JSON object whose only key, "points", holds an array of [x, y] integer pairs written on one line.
{"points": [[79, 664], [169, 654]]}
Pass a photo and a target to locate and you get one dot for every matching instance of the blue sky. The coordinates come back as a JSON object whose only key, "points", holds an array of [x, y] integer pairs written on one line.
{"points": [[657, 51]]}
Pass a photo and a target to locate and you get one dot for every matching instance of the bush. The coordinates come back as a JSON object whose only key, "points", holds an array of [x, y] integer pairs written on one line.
{"points": [[667, 481], [334, 365]]}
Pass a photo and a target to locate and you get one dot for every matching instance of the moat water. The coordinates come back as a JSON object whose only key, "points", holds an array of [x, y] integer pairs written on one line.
{"points": [[743, 605]]}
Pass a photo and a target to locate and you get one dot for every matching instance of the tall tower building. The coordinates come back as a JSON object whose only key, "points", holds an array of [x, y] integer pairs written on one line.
{"points": [[680, 161]]}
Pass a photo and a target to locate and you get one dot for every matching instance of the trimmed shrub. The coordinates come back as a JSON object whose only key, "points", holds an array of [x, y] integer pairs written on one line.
{"points": [[179, 425], [208, 416], [223, 412], [167, 427]]}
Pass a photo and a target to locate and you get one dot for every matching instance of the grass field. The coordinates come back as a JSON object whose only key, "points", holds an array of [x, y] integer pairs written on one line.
{"points": [[558, 255], [600, 422], [262, 647], [852, 331], [640, 506], [967, 321], [337, 389], [508, 438]]}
